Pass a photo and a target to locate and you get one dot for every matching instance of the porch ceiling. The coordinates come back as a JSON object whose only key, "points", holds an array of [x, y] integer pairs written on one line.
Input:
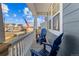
{"points": [[39, 8]]}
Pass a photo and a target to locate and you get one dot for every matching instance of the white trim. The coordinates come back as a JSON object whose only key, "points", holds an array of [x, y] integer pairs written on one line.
{"points": [[55, 32], [61, 17], [56, 13]]}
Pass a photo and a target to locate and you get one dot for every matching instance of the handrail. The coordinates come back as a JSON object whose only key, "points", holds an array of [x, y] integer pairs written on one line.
{"points": [[19, 38]]}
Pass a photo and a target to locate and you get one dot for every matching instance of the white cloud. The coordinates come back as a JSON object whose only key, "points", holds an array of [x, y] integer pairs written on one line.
{"points": [[29, 16], [14, 15], [27, 12], [7, 15], [5, 8], [19, 10]]}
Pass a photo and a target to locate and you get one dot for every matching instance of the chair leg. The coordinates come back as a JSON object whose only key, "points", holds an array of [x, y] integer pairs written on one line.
{"points": [[32, 54], [44, 47]]}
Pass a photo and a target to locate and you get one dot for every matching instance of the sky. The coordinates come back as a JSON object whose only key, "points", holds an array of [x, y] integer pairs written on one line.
{"points": [[17, 12], [40, 20]]}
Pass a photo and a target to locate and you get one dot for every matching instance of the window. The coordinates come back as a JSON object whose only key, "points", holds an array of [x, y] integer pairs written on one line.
{"points": [[56, 22], [56, 19], [49, 24]]}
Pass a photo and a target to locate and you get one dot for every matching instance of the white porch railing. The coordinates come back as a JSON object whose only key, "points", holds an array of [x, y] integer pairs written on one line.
{"points": [[21, 44]]}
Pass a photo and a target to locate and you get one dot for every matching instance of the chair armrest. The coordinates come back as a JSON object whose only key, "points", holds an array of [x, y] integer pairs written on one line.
{"points": [[47, 44], [34, 53]]}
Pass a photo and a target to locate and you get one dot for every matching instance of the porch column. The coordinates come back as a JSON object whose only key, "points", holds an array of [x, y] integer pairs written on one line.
{"points": [[2, 32], [35, 25]]}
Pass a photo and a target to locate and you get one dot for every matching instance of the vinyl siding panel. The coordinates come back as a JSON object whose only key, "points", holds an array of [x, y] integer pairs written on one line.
{"points": [[70, 43]]}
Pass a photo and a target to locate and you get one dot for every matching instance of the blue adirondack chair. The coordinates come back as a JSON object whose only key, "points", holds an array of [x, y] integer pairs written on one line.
{"points": [[53, 51], [42, 36]]}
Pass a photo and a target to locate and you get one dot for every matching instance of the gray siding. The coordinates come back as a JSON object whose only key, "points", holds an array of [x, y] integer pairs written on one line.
{"points": [[70, 44]]}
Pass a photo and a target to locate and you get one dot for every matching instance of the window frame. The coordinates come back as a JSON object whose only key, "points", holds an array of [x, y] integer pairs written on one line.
{"points": [[60, 21]]}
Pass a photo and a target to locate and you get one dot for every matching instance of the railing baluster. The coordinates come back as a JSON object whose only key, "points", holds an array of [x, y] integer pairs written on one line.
{"points": [[21, 47], [15, 48], [10, 51], [25, 47], [14, 52]]}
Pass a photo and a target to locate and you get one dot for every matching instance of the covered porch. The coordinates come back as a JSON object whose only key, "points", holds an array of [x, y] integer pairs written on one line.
{"points": [[22, 44], [58, 18]]}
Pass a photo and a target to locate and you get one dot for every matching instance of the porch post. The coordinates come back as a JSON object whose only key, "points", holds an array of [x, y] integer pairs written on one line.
{"points": [[2, 32], [35, 25]]}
